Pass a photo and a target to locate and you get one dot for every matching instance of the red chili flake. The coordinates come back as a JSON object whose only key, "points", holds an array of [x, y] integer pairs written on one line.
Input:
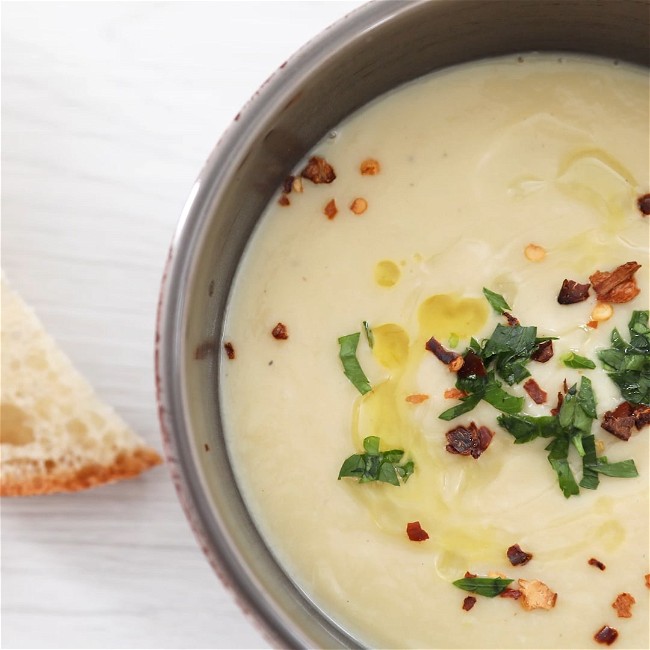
{"points": [[593, 324], [230, 350], [518, 557], [515, 594], [417, 398], [512, 320], [284, 200], [472, 366], [572, 292], [560, 400], [644, 204], [543, 352], [597, 563], [455, 393], [618, 285], [280, 332], [647, 580], [623, 605], [204, 349], [330, 210], [441, 353], [620, 421], [468, 441], [468, 603], [606, 635], [415, 532], [641, 416], [469, 575], [287, 184], [318, 170], [538, 395]]}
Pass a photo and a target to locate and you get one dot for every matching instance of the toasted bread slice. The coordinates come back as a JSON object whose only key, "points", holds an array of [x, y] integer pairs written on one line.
{"points": [[56, 435]]}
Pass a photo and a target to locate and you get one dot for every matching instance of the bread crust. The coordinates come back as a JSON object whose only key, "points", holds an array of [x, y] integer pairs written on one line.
{"points": [[127, 464]]}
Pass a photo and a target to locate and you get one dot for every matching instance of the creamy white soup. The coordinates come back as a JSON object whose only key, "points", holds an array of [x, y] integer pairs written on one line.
{"points": [[524, 177]]}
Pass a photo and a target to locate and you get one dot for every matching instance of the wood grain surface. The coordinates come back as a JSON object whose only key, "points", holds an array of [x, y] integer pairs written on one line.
{"points": [[108, 112]]}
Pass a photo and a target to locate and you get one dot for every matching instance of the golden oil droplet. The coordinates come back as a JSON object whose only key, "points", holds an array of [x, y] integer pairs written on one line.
{"points": [[387, 273], [391, 346], [445, 314]]}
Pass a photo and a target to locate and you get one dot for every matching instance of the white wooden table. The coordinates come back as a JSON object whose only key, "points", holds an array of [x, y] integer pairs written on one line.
{"points": [[108, 111]]}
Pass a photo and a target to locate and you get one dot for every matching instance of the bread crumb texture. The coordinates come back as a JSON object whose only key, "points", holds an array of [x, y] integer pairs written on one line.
{"points": [[56, 435]]}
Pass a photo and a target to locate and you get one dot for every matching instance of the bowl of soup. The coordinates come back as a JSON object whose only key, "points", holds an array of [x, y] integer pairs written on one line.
{"points": [[403, 345]]}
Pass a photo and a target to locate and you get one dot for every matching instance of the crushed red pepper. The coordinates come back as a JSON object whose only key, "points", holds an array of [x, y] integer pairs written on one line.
{"points": [[623, 605], [616, 286], [441, 353], [455, 393], [515, 594], [543, 352], [619, 422], [560, 400], [572, 292], [472, 366], [230, 350], [318, 170], [468, 603], [330, 210], [643, 203], [415, 532], [538, 395], [468, 441], [287, 184], [606, 635], [597, 563], [284, 200], [280, 332], [518, 557], [512, 320]]}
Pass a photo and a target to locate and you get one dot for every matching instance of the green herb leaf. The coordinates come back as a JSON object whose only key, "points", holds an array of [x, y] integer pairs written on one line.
{"points": [[578, 409], [525, 428], [489, 587], [570, 427], [375, 465], [501, 400], [573, 360], [622, 469], [590, 480], [628, 364], [510, 346], [559, 458], [351, 368], [496, 300], [466, 405], [369, 335]]}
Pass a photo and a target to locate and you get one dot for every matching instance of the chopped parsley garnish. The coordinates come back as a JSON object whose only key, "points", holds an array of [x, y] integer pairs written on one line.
{"points": [[497, 301], [489, 587], [503, 356], [570, 427], [628, 364], [573, 360], [510, 348], [375, 465], [351, 367], [483, 388]]}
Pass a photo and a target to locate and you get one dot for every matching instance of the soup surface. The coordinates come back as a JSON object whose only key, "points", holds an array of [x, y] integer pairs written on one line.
{"points": [[512, 175]]}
